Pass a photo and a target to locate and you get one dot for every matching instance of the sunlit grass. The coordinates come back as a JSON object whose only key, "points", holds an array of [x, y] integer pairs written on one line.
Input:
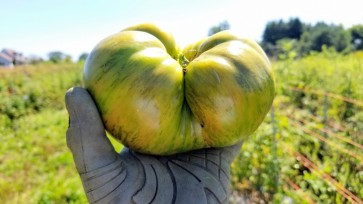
{"points": [[36, 164]]}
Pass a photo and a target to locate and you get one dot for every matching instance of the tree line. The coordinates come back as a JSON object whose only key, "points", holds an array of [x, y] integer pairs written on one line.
{"points": [[294, 38], [299, 38], [59, 57]]}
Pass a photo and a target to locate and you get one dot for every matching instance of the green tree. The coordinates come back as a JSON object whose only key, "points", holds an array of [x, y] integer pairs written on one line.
{"points": [[357, 36], [83, 57], [67, 58], [295, 28], [315, 37], [56, 56], [218, 28], [277, 30]]}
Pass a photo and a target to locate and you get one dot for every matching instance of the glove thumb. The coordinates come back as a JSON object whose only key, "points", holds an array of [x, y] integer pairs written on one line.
{"points": [[86, 135]]}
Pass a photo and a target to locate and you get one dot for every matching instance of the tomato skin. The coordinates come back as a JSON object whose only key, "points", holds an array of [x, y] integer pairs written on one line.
{"points": [[157, 99]]}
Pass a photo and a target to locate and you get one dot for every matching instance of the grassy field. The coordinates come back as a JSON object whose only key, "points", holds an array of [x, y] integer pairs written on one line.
{"points": [[308, 150], [36, 166]]}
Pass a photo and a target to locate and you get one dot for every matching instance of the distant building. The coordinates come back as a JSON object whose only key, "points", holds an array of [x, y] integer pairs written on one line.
{"points": [[5, 60], [9, 58]]}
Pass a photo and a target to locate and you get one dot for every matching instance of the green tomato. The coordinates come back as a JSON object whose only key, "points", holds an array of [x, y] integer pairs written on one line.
{"points": [[158, 99]]}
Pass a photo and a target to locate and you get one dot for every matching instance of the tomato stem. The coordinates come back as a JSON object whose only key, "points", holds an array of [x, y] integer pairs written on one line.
{"points": [[183, 61]]}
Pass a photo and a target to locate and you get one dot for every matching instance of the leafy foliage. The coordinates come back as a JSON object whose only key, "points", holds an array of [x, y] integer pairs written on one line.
{"points": [[36, 165], [315, 37], [30, 89], [306, 123]]}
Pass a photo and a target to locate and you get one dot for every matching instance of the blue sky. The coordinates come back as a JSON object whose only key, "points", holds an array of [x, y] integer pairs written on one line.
{"points": [[76, 26]]}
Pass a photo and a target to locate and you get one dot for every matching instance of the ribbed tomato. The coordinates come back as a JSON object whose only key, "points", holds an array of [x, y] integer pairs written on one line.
{"points": [[158, 99]]}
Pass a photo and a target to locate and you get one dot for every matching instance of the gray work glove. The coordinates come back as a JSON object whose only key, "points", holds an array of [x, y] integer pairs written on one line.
{"points": [[200, 176]]}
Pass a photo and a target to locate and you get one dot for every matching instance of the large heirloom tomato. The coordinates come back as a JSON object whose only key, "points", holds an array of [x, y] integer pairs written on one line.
{"points": [[158, 99]]}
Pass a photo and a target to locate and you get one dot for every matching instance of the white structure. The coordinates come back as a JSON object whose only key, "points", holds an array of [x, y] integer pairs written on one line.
{"points": [[9, 58], [5, 60]]}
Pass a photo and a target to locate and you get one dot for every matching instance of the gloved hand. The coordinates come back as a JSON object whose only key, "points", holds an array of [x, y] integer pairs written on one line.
{"points": [[200, 176]]}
